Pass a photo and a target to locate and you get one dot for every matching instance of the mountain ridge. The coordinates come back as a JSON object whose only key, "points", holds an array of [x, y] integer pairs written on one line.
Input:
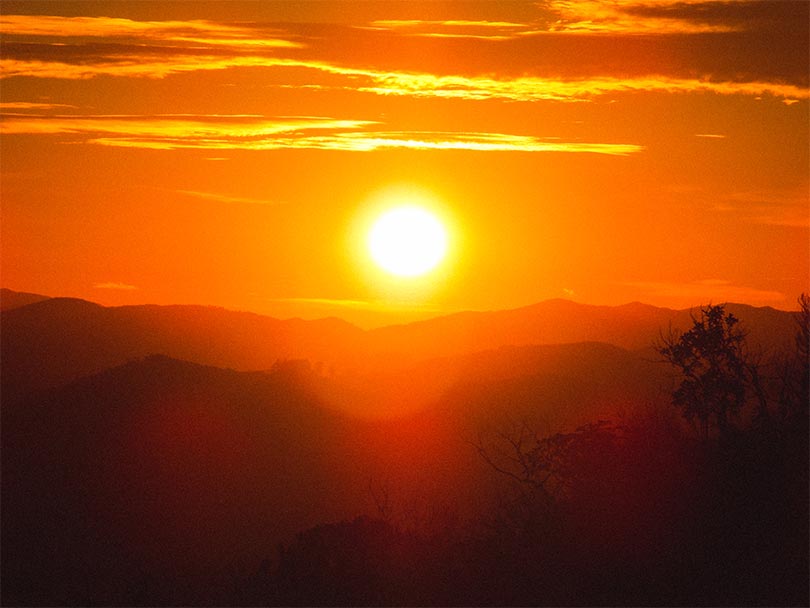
{"points": [[10, 299], [50, 342]]}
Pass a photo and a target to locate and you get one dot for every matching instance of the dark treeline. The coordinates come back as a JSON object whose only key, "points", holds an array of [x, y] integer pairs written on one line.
{"points": [[166, 483]]}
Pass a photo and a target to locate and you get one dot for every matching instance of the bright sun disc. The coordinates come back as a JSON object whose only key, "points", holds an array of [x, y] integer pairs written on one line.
{"points": [[407, 241]]}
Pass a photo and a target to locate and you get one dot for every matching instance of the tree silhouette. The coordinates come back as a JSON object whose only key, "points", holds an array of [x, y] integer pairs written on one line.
{"points": [[803, 348], [712, 359], [794, 393]]}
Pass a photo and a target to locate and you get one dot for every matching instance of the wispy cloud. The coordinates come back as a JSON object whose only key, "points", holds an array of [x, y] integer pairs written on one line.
{"points": [[774, 208], [708, 290], [419, 23], [128, 65], [338, 303], [196, 129], [475, 30], [372, 306], [28, 105], [192, 31], [116, 286], [537, 89], [172, 132], [224, 198], [643, 17], [710, 135], [397, 83]]}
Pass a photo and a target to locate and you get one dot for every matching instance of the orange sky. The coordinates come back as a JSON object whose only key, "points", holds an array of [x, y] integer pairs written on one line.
{"points": [[227, 153]]}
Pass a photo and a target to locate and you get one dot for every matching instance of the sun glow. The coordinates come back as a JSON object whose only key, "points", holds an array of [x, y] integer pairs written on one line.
{"points": [[407, 241]]}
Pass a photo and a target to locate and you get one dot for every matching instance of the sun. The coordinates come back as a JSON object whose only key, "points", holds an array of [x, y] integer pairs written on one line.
{"points": [[407, 241]]}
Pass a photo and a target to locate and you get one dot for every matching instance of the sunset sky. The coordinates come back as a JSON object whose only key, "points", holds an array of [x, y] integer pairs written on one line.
{"points": [[235, 153]]}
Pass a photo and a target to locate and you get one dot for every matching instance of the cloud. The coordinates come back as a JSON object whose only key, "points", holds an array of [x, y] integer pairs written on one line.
{"points": [[611, 17], [419, 23], [710, 135], [26, 105], [184, 32], [247, 132], [196, 129], [129, 65], [707, 290], [82, 48], [223, 198], [789, 208], [338, 303], [475, 30], [648, 17], [536, 89], [398, 83], [118, 286], [374, 305]]}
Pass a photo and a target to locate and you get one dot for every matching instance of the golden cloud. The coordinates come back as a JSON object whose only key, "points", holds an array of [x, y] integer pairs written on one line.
{"points": [[27, 105], [617, 17], [477, 30], [224, 198], [172, 127], [131, 66], [418, 23], [194, 31], [116, 286], [381, 82], [261, 133], [536, 89]]}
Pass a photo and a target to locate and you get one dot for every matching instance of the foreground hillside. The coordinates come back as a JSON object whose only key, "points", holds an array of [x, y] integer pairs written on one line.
{"points": [[162, 482]]}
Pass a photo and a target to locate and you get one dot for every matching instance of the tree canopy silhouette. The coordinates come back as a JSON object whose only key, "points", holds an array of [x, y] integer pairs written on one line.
{"points": [[711, 357]]}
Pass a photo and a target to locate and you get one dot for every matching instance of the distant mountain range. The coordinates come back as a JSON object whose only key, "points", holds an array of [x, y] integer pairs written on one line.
{"points": [[15, 299], [47, 342]]}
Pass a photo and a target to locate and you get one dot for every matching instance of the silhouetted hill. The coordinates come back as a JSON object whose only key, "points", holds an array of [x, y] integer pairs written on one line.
{"points": [[632, 326], [15, 299], [52, 342], [49, 343], [589, 377], [165, 468], [555, 386]]}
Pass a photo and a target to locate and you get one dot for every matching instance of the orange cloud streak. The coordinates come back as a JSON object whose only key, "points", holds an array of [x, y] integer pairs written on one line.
{"points": [[116, 286], [260, 133], [476, 30], [612, 17], [224, 198], [382, 82], [197, 31], [199, 128]]}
